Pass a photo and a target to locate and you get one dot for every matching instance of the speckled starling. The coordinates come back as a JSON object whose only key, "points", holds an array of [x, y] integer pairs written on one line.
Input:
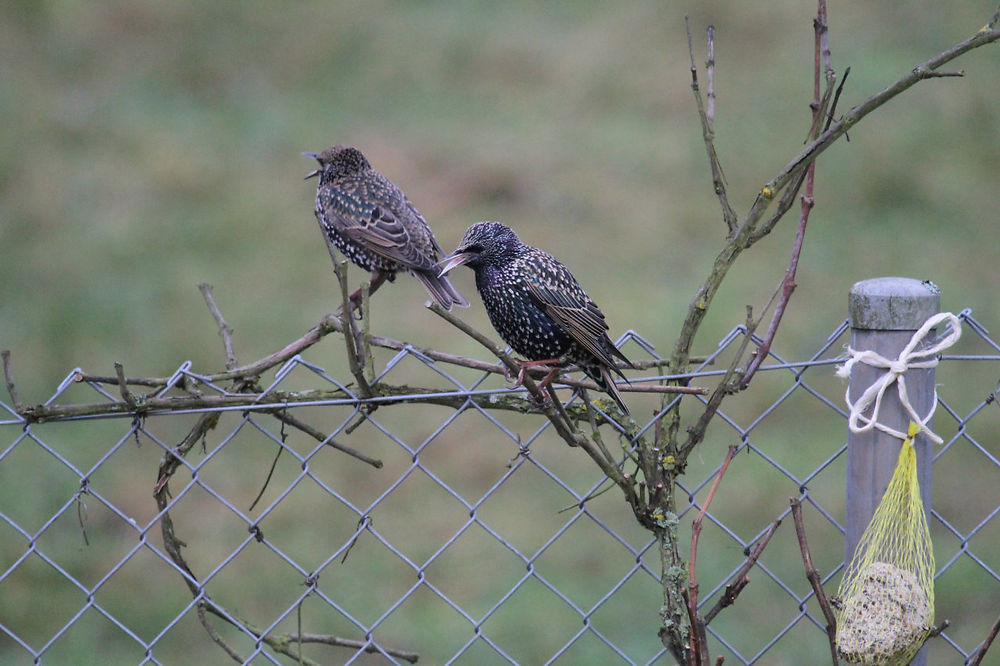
{"points": [[374, 224], [537, 306]]}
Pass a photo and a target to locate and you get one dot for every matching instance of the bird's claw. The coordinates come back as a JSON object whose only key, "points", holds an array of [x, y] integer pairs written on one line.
{"points": [[518, 381], [544, 403]]}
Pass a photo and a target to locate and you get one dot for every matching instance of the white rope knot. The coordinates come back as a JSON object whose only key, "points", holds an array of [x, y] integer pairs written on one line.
{"points": [[895, 369]]}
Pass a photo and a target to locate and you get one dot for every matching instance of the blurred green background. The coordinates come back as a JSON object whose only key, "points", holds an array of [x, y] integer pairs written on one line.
{"points": [[149, 146]]}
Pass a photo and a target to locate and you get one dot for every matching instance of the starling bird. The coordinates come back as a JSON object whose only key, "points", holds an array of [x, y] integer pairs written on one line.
{"points": [[537, 306], [374, 224]]}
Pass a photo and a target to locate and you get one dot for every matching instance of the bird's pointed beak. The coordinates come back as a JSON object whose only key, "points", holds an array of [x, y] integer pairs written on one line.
{"points": [[454, 260], [311, 173]]}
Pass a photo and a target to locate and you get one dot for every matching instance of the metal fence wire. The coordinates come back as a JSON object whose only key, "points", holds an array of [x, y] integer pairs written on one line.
{"points": [[472, 543]]}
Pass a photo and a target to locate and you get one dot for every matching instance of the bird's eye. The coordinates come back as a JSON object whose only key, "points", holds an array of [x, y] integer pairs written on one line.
{"points": [[475, 248]]}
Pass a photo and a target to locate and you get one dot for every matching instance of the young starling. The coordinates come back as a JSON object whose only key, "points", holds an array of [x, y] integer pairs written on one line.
{"points": [[374, 224], [537, 306]]}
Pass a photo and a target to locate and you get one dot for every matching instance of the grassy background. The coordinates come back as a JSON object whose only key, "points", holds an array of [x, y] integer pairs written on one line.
{"points": [[150, 146]]}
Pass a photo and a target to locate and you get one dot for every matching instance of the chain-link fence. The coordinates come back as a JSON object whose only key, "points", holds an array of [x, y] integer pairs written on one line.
{"points": [[461, 535]]}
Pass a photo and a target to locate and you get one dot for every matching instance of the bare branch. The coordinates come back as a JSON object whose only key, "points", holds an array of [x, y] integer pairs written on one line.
{"points": [[214, 635], [283, 416], [123, 387], [225, 330], [708, 133], [726, 386], [354, 361], [8, 376], [819, 105], [990, 637], [741, 238], [699, 641], [814, 578], [710, 77], [740, 578]]}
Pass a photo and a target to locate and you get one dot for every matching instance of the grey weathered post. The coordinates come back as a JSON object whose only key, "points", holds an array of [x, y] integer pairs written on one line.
{"points": [[884, 313]]}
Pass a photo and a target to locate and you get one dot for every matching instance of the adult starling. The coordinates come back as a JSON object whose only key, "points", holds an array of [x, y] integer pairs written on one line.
{"points": [[374, 224], [537, 306]]}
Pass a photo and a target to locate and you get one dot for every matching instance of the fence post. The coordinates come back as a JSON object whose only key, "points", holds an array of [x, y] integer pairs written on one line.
{"points": [[884, 314]]}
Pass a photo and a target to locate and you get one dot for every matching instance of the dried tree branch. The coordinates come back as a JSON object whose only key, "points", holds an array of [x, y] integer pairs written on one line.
{"points": [[283, 416], [742, 238], [815, 580], [698, 654], [819, 107], [741, 579], [726, 386], [225, 330], [710, 79], [127, 395], [987, 642], [354, 361], [8, 376], [708, 132], [214, 635]]}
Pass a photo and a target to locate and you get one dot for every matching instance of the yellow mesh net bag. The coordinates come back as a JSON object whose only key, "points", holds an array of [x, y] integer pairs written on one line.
{"points": [[887, 594]]}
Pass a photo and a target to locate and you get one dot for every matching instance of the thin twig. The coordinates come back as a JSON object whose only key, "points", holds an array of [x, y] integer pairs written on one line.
{"points": [[987, 642], [8, 376], [726, 386], [710, 79], [274, 465], [225, 330], [214, 635], [366, 646], [699, 641], [740, 579], [814, 578], [354, 362], [938, 629], [366, 334], [595, 432], [787, 285], [708, 135], [127, 395], [818, 106], [836, 100], [283, 416]]}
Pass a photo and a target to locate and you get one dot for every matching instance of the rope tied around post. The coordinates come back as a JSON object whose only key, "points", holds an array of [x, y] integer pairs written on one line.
{"points": [[908, 358]]}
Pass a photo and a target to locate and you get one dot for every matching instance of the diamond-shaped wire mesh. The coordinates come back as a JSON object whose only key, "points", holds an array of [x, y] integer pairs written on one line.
{"points": [[472, 542]]}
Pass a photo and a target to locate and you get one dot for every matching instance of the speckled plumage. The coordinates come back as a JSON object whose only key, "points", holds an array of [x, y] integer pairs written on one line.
{"points": [[375, 225], [536, 305]]}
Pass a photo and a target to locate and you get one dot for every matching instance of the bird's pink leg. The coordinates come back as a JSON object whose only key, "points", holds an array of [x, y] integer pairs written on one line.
{"points": [[525, 365], [377, 280]]}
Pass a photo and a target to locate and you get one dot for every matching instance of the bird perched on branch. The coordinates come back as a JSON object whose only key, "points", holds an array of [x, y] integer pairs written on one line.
{"points": [[537, 306], [374, 224]]}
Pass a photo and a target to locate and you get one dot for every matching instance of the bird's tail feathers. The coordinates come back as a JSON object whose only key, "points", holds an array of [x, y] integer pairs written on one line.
{"points": [[616, 353], [602, 377], [443, 292], [612, 390]]}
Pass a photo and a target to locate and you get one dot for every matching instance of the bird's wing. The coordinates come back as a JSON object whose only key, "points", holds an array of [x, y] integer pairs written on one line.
{"points": [[377, 215], [565, 301]]}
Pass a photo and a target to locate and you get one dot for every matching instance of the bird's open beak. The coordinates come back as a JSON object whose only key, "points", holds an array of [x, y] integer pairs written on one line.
{"points": [[455, 260], [311, 173]]}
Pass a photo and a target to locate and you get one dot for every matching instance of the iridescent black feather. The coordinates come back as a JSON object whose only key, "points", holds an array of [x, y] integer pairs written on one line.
{"points": [[536, 305], [374, 224]]}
